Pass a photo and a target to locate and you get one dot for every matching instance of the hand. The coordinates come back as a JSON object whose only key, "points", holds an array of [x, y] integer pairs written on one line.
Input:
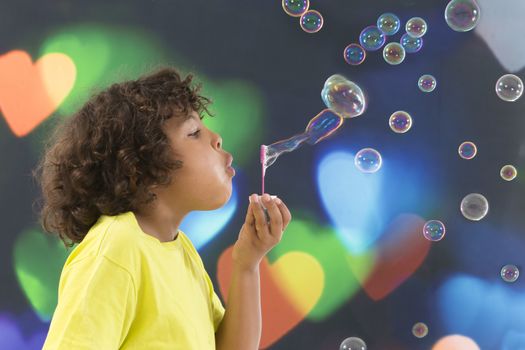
{"points": [[259, 235]]}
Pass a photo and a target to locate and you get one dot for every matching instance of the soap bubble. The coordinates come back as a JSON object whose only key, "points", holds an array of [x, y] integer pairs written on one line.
{"points": [[295, 8], [427, 83], [508, 172], [388, 23], [400, 122], [474, 206], [352, 343], [462, 15], [311, 21], [420, 330], [510, 273], [343, 96], [394, 53], [434, 230], [467, 150], [368, 160], [371, 38], [354, 54], [416, 27], [411, 44], [509, 87]]}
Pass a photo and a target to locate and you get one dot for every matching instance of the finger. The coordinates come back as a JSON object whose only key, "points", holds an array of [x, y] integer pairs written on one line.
{"points": [[250, 219], [287, 216], [260, 220], [276, 220]]}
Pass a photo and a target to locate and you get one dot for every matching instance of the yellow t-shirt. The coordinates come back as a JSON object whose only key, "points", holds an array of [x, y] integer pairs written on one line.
{"points": [[121, 288]]}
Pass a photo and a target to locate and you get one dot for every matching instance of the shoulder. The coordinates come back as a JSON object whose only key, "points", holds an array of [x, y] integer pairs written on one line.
{"points": [[112, 237]]}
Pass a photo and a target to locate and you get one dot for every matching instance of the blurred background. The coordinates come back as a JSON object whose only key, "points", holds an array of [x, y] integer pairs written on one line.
{"points": [[353, 262]]}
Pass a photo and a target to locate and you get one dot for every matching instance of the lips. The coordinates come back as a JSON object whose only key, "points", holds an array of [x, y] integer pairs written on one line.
{"points": [[229, 168]]}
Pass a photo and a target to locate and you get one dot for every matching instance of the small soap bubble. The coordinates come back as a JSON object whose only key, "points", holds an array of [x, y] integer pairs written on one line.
{"points": [[311, 21], [508, 172], [509, 87], [368, 160], [400, 122], [420, 330], [467, 150], [434, 230], [388, 23], [510, 273], [474, 206], [394, 53], [295, 8], [372, 38], [462, 15], [354, 54], [411, 44], [353, 343], [343, 96], [427, 83], [416, 27]]}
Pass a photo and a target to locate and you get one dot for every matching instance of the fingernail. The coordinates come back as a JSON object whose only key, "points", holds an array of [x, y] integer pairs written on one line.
{"points": [[278, 200], [254, 198], [266, 197]]}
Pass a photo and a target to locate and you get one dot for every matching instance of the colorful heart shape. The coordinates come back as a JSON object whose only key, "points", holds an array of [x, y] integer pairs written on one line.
{"points": [[203, 226], [29, 93], [398, 254], [290, 288], [38, 261], [322, 243]]}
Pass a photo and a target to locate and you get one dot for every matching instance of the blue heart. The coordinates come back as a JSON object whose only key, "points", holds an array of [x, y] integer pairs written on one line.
{"points": [[202, 226], [350, 199]]}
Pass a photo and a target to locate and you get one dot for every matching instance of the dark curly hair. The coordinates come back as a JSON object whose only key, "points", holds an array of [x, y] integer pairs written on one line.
{"points": [[106, 158]]}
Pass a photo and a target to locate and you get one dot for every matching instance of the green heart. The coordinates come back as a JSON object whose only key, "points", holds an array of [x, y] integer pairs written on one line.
{"points": [[103, 55], [38, 262], [304, 234]]}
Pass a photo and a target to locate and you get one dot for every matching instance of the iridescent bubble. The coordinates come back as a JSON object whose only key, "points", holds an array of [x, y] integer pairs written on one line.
{"points": [[474, 206], [353, 343], [510, 273], [411, 44], [427, 83], [400, 122], [343, 96], [416, 27], [462, 15], [371, 38], [508, 172], [354, 54], [467, 150], [434, 230], [311, 21], [388, 23], [368, 160], [394, 53], [295, 8], [420, 330], [509, 87]]}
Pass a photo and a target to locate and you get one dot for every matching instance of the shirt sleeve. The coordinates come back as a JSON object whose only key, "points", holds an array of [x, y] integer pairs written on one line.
{"points": [[96, 305], [217, 311]]}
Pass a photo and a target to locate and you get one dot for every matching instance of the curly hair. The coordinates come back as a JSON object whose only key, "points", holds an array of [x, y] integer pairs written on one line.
{"points": [[107, 157]]}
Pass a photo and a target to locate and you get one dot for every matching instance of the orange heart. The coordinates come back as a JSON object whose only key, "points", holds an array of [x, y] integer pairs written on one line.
{"points": [[29, 93], [399, 254], [290, 288]]}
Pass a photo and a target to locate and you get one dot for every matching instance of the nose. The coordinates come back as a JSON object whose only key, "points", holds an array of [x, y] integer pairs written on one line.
{"points": [[218, 141]]}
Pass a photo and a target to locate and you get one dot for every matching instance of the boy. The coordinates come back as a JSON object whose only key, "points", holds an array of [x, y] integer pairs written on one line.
{"points": [[118, 178]]}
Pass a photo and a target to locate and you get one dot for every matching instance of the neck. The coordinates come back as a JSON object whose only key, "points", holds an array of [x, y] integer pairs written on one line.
{"points": [[160, 221]]}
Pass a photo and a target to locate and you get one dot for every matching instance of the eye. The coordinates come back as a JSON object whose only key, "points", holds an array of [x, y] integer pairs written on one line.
{"points": [[196, 133]]}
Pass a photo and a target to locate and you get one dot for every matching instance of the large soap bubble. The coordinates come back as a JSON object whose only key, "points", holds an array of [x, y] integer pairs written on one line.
{"points": [[343, 96]]}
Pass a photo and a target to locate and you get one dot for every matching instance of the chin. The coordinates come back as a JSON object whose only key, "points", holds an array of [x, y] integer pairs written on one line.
{"points": [[218, 201]]}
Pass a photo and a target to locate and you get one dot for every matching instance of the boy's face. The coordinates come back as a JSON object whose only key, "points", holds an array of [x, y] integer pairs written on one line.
{"points": [[204, 182]]}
